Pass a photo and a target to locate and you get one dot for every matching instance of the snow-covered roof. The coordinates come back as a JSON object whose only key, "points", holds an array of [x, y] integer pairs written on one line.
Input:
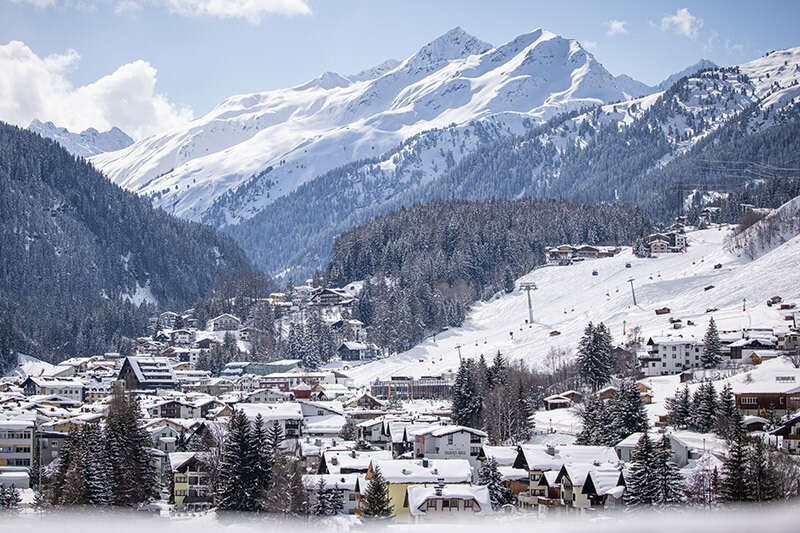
{"points": [[324, 424], [503, 455], [272, 411], [424, 470], [441, 431], [353, 460], [418, 495], [332, 481]]}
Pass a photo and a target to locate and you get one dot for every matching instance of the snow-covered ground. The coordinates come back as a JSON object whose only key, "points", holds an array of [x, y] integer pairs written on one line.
{"points": [[569, 297]]}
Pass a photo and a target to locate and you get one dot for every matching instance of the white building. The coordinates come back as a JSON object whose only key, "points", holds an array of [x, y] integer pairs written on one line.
{"points": [[16, 444], [288, 414], [671, 355], [69, 388], [450, 442]]}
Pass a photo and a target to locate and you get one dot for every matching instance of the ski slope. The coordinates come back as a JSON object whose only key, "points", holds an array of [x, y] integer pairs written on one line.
{"points": [[570, 296]]}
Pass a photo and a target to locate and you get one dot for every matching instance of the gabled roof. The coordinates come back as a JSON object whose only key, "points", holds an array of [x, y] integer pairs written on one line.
{"points": [[424, 470]]}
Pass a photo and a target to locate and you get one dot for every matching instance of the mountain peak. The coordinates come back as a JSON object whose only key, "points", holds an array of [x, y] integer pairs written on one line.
{"points": [[326, 80], [87, 143], [454, 44]]}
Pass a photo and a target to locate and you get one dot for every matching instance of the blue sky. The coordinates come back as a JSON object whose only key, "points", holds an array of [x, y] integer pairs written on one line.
{"points": [[191, 54]]}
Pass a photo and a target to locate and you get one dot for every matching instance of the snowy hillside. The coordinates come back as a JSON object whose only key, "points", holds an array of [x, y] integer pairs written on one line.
{"points": [[570, 296], [281, 139], [86, 143]]}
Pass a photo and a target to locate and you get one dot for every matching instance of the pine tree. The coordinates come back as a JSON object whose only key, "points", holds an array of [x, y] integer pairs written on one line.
{"points": [[10, 499], [627, 411], [490, 476], [336, 501], [322, 502], [672, 491], [712, 348], [93, 465], [597, 428], [679, 408], [237, 484], [704, 407], [593, 361], [641, 483], [127, 448], [263, 465], [376, 502], [761, 473], [729, 418], [466, 403], [733, 483], [349, 430]]}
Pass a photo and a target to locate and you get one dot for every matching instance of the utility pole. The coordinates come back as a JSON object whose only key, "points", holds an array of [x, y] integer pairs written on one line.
{"points": [[528, 286], [458, 347], [633, 292]]}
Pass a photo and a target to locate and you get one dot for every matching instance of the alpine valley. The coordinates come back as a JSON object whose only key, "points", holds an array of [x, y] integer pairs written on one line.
{"points": [[286, 171]]}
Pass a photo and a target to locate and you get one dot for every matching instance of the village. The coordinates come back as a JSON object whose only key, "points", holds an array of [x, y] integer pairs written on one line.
{"points": [[411, 432]]}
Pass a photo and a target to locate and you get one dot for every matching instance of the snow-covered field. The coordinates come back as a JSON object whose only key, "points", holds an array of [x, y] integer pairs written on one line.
{"points": [[569, 297]]}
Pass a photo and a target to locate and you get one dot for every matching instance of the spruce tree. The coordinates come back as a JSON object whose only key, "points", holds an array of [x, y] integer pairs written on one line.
{"points": [[263, 465], [641, 482], [466, 403], [93, 465], [672, 490], [322, 501], [761, 474], [236, 490], [729, 418], [490, 476], [593, 361], [712, 348], [627, 411], [704, 407], [127, 447], [10, 499], [679, 408], [597, 428], [734, 478], [376, 503]]}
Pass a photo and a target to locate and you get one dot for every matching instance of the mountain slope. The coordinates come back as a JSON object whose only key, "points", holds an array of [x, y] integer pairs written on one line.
{"points": [[79, 254], [569, 297], [632, 151], [86, 143], [273, 142]]}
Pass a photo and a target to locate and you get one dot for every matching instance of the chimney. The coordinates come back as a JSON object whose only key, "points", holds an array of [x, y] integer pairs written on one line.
{"points": [[439, 486], [550, 450]]}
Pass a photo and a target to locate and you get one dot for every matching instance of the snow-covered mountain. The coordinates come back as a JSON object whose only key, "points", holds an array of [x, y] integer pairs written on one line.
{"points": [[277, 140], [669, 81], [625, 151], [87, 143]]}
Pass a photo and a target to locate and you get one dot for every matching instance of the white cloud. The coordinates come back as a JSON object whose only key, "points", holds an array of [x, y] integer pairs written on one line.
{"points": [[616, 27], [250, 10], [682, 23], [39, 87]]}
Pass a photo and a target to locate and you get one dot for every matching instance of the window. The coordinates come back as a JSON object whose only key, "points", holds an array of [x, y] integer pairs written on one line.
{"points": [[749, 400], [445, 504], [474, 451], [432, 504], [467, 504], [450, 439]]}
